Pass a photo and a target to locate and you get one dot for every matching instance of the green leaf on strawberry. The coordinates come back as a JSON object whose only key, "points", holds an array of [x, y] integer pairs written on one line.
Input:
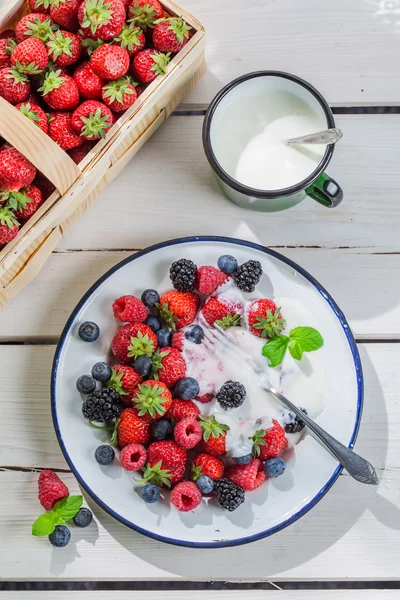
{"points": [[115, 382], [150, 400], [167, 316], [156, 475], [230, 320], [258, 441], [211, 427], [271, 325]]}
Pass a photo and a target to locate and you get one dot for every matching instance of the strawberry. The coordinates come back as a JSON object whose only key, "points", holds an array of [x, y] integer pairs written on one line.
{"points": [[152, 400], [181, 409], [140, 89], [78, 154], [129, 309], [125, 381], [110, 61], [133, 340], [131, 429], [65, 13], [92, 119], [178, 309], [35, 114], [119, 95], [205, 464], [30, 56], [24, 203], [7, 34], [50, 489], [89, 84], [45, 186], [60, 91], [64, 48], [209, 279], [40, 6], [131, 38], [14, 87], [222, 311], [269, 443], [264, 318], [186, 496], [145, 13], [9, 226], [214, 435], [61, 131], [249, 476], [166, 463], [178, 339], [169, 366], [7, 45], [204, 398], [35, 25], [101, 19], [16, 171], [147, 64], [171, 35]]}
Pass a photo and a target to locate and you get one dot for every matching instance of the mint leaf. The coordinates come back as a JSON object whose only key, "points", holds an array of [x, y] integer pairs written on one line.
{"points": [[44, 525], [309, 338], [295, 349], [275, 350], [66, 509]]}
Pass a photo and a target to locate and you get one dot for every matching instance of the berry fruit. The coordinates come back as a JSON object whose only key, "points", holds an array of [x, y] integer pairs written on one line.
{"points": [[60, 536], [274, 467], [125, 380], [188, 433], [161, 430], [248, 275], [205, 484], [104, 454], [129, 309], [231, 395], [186, 496], [264, 318], [187, 388], [178, 309], [169, 366], [227, 264], [110, 62], [209, 279], [205, 464], [143, 365], [249, 476], [269, 443], [150, 493], [133, 457], [181, 409], [145, 13], [103, 405], [152, 399], [83, 517], [214, 436], [153, 322], [150, 298], [195, 334], [147, 64], [297, 425], [133, 340], [183, 275], [171, 35], [86, 384], [101, 371], [51, 489], [164, 337], [229, 495], [88, 331], [132, 429]]}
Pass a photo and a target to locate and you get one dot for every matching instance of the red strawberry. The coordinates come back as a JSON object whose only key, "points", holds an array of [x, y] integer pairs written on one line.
{"points": [[131, 429], [133, 457], [145, 13], [147, 64], [166, 463], [30, 56], [101, 19], [16, 171], [7, 34], [178, 309], [129, 309], [51, 489], [61, 132], [119, 95], [204, 398], [65, 13], [152, 400], [186, 496], [214, 436], [9, 226], [25, 202], [40, 6], [35, 25], [177, 340], [64, 48], [133, 340], [269, 443], [78, 154], [35, 114], [205, 464], [169, 366], [7, 45], [264, 318], [181, 409], [46, 187], [92, 120], [249, 476], [110, 61], [14, 87], [222, 311], [89, 84], [140, 89], [171, 35], [131, 38], [60, 91], [125, 381], [208, 279]]}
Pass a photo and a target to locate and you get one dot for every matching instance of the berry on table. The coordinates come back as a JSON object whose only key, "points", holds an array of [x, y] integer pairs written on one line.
{"points": [[103, 405], [164, 337], [60, 536], [231, 395], [129, 309], [104, 454], [274, 467], [205, 464], [188, 433], [88, 331], [50, 489], [101, 371], [248, 275], [150, 493], [205, 484], [209, 279], [227, 264], [150, 298], [242, 460], [133, 457], [153, 322], [143, 365], [249, 476], [187, 388], [83, 517], [161, 430], [85, 384], [229, 495], [195, 334], [186, 496], [183, 275], [297, 425]]}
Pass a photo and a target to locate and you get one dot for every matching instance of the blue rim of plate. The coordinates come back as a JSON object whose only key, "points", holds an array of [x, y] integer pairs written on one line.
{"points": [[357, 365]]}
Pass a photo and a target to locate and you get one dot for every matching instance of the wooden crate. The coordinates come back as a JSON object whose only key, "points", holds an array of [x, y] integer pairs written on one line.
{"points": [[77, 186]]}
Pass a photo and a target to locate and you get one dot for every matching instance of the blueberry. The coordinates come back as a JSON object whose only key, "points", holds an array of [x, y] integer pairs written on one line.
{"points": [[150, 298], [154, 323], [143, 365], [83, 517], [274, 467], [104, 454], [227, 264], [88, 331], [150, 493], [187, 388], [60, 536], [101, 371], [161, 429], [242, 460], [85, 384], [205, 484], [164, 337], [195, 334]]}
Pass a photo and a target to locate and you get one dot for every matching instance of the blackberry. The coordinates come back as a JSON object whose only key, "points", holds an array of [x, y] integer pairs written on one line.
{"points": [[183, 275], [248, 275], [297, 425], [103, 405], [231, 395], [229, 494]]}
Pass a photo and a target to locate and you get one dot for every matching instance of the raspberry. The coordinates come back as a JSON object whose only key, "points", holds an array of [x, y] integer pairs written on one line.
{"points": [[133, 457], [129, 309], [188, 433], [204, 398], [209, 279], [186, 496], [51, 489], [269, 443], [177, 340], [181, 409], [249, 476]]}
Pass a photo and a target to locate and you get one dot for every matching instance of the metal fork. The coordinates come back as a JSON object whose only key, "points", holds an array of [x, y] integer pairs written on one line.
{"points": [[355, 465]]}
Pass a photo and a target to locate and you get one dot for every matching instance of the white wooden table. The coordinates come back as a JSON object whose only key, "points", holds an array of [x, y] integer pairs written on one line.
{"points": [[350, 51]]}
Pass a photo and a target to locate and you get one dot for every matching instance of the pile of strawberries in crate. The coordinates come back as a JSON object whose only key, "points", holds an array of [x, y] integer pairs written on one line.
{"points": [[73, 67]]}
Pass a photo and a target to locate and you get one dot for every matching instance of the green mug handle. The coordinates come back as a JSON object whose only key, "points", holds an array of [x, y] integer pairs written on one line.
{"points": [[326, 191]]}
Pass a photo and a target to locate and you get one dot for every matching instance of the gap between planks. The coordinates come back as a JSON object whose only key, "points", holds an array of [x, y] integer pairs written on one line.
{"points": [[199, 110]]}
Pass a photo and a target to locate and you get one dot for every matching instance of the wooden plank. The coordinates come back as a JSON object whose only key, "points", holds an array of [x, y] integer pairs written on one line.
{"points": [[350, 275], [212, 595], [169, 191], [338, 539]]}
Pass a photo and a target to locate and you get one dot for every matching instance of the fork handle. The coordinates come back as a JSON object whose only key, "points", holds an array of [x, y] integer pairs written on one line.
{"points": [[355, 465]]}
